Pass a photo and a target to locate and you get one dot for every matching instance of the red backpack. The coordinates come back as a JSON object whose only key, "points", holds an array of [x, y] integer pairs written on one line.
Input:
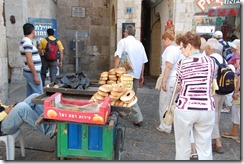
{"points": [[51, 51]]}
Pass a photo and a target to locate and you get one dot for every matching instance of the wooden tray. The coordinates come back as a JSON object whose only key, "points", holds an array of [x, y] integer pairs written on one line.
{"points": [[91, 90]]}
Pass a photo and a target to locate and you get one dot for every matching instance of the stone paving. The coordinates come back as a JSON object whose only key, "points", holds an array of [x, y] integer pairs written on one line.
{"points": [[141, 143]]}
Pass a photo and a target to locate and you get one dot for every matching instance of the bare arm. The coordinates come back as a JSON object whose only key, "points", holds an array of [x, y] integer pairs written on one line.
{"points": [[30, 64], [61, 58], [141, 81], [116, 61], [167, 70]]}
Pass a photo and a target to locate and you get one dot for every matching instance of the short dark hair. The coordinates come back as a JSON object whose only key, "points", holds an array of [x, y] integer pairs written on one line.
{"points": [[28, 28], [50, 32], [131, 30]]}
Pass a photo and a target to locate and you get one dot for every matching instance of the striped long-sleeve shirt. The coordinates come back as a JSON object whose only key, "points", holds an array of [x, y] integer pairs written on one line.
{"points": [[26, 45], [196, 77]]}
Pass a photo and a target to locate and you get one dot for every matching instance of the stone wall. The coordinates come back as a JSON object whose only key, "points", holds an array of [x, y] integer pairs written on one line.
{"points": [[93, 31], [3, 58], [183, 16], [22, 10]]}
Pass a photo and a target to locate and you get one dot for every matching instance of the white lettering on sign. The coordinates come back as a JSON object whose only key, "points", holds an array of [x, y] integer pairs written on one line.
{"points": [[232, 1], [202, 4]]}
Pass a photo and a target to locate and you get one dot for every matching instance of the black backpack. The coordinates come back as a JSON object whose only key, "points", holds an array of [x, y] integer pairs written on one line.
{"points": [[226, 79], [51, 51], [226, 53]]}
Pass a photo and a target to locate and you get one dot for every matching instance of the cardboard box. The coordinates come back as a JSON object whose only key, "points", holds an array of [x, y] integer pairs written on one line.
{"points": [[73, 110]]}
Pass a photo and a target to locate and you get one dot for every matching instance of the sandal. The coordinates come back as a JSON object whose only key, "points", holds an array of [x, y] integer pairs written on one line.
{"points": [[238, 140], [194, 157], [218, 149], [229, 135]]}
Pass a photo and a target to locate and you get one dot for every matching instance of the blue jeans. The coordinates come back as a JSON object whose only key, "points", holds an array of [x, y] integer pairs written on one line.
{"points": [[52, 66], [30, 84], [26, 112]]}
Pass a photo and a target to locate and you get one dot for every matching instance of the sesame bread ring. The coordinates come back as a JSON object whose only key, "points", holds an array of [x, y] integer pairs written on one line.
{"points": [[104, 94], [119, 74], [99, 97], [112, 71], [127, 95], [133, 102], [105, 88], [92, 99], [103, 78], [127, 77], [111, 82], [104, 74], [116, 94], [125, 104], [117, 102], [118, 87], [113, 78], [113, 98], [121, 103], [101, 82], [120, 70], [112, 103]]}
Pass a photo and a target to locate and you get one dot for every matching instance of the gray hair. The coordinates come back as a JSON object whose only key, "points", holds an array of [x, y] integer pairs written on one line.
{"points": [[131, 30], [213, 43]]}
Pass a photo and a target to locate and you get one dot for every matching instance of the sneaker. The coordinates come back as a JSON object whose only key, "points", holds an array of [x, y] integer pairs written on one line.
{"points": [[137, 123], [225, 110], [161, 130]]}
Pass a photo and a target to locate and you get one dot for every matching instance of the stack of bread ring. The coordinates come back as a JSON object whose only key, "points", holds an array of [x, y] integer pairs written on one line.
{"points": [[112, 76], [118, 94]]}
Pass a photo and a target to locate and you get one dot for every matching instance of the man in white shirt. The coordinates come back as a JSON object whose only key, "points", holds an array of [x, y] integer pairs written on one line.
{"points": [[138, 58]]}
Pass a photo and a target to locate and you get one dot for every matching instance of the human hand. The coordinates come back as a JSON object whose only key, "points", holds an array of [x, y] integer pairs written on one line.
{"points": [[60, 64], [8, 109], [164, 88], [37, 80], [141, 81], [235, 96], [178, 88]]}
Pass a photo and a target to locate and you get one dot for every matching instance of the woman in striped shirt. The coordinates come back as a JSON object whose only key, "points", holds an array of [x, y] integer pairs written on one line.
{"points": [[195, 104]]}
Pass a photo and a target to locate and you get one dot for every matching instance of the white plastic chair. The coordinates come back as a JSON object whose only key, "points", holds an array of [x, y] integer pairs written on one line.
{"points": [[9, 141]]}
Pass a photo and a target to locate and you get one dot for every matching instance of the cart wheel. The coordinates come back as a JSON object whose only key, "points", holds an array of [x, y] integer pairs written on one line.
{"points": [[118, 144]]}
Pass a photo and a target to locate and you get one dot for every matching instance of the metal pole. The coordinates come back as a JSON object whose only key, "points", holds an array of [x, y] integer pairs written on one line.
{"points": [[76, 52]]}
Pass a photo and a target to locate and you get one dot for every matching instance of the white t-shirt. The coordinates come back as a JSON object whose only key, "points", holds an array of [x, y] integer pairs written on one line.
{"points": [[171, 54], [136, 53]]}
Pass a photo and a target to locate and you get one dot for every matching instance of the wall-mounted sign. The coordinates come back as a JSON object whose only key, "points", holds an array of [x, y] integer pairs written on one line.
{"points": [[128, 10], [205, 29], [202, 4], [232, 2], [41, 26], [78, 11], [224, 12]]}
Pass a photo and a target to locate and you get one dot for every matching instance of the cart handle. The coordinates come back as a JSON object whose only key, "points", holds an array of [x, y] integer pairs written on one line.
{"points": [[111, 124]]}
